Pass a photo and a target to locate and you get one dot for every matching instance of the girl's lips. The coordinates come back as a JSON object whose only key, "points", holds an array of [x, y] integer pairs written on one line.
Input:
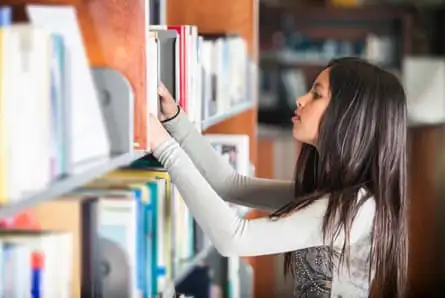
{"points": [[296, 117]]}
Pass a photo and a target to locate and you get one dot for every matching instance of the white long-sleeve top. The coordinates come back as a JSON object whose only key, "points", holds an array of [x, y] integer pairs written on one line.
{"points": [[205, 181]]}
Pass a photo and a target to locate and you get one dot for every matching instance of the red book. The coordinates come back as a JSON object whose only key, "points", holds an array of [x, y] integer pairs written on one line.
{"points": [[182, 34]]}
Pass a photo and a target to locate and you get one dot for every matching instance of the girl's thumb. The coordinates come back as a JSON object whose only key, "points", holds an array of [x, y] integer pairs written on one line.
{"points": [[162, 91]]}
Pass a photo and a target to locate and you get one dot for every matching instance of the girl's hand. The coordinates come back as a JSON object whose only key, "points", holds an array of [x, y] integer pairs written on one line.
{"points": [[158, 134], [168, 105]]}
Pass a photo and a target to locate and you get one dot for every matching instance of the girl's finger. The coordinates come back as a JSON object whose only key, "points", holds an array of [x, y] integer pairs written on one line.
{"points": [[162, 90]]}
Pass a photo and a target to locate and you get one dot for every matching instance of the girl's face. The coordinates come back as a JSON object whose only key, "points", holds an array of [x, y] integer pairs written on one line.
{"points": [[310, 109]]}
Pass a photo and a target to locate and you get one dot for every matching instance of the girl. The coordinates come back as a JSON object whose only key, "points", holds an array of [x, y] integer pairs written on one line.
{"points": [[342, 222]]}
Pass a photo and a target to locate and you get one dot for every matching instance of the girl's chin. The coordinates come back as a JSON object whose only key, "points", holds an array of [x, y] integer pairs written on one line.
{"points": [[300, 136], [296, 133]]}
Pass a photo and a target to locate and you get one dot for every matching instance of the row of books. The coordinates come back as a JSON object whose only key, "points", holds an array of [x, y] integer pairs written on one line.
{"points": [[35, 263], [51, 121], [128, 232], [54, 118], [215, 72]]}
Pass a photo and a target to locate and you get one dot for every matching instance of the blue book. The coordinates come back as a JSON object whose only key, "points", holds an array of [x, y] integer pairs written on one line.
{"points": [[159, 270], [59, 108], [5, 16]]}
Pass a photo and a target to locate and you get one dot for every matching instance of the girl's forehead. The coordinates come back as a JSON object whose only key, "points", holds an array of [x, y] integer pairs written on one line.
{"points": [[322, 80]]}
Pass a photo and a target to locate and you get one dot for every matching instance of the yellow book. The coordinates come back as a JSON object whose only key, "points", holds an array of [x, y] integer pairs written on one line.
{"points": [[118, 184], [140, 176]]}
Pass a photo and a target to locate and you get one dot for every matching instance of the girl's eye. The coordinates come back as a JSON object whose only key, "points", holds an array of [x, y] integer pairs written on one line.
{"points": [[315, 95]]}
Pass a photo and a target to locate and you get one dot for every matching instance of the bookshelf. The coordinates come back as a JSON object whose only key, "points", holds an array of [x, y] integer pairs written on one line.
{"points": [[115, 52], [231, 16]]}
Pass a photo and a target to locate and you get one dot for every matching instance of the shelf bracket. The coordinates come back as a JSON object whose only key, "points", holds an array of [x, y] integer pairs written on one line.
{"points": [[116, 99]]}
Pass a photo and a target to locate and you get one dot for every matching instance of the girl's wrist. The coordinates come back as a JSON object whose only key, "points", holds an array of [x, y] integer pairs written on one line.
{"points": [[173, 115]]}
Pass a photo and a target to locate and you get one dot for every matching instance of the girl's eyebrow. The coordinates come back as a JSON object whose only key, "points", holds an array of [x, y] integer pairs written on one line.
{"points": [[317, 85]]}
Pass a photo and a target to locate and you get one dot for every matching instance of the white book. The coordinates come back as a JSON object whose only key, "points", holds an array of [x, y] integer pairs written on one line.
{"points": [[209, 99], [153, 73], [222, 93], [58, 253], [200, 80], [117, 223], [424, 83], [55, 278], [89, 139], [21, 260], [25, 95], [192, 98], [240, 70], [235, 148]]}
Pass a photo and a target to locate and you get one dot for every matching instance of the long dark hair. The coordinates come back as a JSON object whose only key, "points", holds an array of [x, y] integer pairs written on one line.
{"points": [[361, 145]]}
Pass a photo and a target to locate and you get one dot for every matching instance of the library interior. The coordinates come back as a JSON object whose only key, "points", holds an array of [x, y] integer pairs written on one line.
{"points": [[126, 220]]}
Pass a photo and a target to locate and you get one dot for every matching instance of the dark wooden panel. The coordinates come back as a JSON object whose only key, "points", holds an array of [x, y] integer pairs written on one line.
{"points": [[427, 145], [232, 16]]}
